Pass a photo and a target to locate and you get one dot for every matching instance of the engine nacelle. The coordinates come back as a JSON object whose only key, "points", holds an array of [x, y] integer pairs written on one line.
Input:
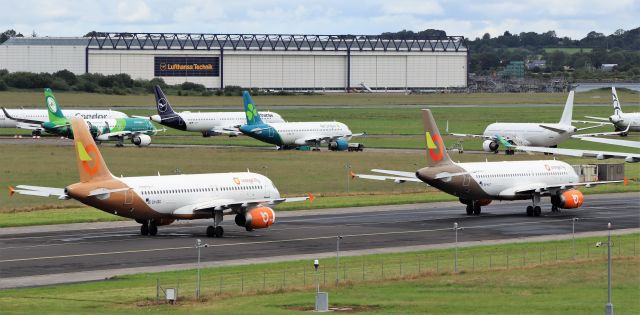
{"points": [[569, 199], [339, 145], [141, 140], [490, 146], [256, 218]]}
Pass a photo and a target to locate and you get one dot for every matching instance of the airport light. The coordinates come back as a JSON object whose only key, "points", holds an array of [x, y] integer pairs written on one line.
{"points": [[316, 264], [573, 236], [455, 260], [609, 306], [338, 259], [198, 246]]}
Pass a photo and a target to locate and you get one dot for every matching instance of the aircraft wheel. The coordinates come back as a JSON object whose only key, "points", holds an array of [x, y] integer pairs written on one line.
{"points": [[537, 211], [529, 211], [477, 210], [144, 229], [469, 209], [153, 229], [218, 231], [210, 232]]}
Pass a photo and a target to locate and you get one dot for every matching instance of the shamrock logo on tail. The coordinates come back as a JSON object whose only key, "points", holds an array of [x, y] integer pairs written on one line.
{"points": [[251, 112]]}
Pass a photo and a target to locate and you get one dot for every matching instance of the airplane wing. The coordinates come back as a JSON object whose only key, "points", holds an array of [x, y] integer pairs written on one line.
{"points": [[221, 204], [397, 176], [464, 135], [624, 143], [29, 126], [327, 139], [598, 118], [546, 189], [600, 155], [38, 191], [602, 123], [598, 134], [22, 120], [115, 135]]}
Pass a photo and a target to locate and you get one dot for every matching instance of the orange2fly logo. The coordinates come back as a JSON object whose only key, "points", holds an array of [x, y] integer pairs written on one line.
{"points": [[85, 157], [434, 143]]}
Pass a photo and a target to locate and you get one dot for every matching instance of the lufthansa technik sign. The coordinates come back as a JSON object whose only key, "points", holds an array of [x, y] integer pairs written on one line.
{"points": [[186, 67]]}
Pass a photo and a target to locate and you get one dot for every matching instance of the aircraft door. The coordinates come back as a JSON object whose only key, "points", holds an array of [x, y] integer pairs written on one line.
{"points": [[271, 132], [266, 188], [466, 180], [128, 197]]}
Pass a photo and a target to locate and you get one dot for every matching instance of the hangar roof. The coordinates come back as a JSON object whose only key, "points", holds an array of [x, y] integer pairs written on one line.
{"points": [[48, 41]]}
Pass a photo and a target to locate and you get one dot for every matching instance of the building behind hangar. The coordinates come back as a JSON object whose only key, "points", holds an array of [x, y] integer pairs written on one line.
{"points": [[288, 62]]}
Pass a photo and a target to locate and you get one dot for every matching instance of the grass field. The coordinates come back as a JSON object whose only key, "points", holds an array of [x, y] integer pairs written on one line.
{"points": [[69, 99], [525, 278]]}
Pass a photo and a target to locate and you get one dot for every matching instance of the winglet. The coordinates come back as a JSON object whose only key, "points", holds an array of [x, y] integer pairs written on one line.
{"points": [[626, 181], [311, 197], [12, 191], [504, 142], [353, 175]]}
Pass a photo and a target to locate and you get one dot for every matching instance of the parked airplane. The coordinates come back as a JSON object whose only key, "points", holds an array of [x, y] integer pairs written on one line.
{"points": [[138, 130], [477, 184], [159, 200], [207, 123], [289, 135], [621, 121], [41, 115], [530, 134]]}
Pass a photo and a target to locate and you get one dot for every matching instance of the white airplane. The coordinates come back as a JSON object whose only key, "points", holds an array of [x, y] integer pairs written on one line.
{"points": [[207, 123], [477, 184], [290, 135], [159, 200], [621, 121], [42, 116], [530, 134]]}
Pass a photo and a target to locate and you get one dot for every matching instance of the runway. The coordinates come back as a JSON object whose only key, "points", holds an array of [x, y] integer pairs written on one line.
{"points": [[54, 250]]}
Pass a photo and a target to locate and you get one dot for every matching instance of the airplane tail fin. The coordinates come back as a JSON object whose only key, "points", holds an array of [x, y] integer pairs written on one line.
{"points": [[436, 151], [91, 165], [567, 113], [617, 109], [162, 103], [55, 112], [250, 110]]}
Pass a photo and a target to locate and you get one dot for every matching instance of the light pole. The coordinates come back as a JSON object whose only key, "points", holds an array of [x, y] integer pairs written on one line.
{"points": [[348, 168], [455, 261], [198, 246], [316, 264], [573, 237], [609, 306], [338, 259]]}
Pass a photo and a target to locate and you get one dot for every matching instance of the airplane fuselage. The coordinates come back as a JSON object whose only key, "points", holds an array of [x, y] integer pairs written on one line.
{"points": [[623, 120], [530, 134], [498, 180], [211, 121], [296, 133], [155, 197], [43, 116]]}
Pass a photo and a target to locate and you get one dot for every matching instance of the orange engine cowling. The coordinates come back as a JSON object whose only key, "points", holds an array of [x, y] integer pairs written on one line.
{"points": [[256, 218], [569, 199]]}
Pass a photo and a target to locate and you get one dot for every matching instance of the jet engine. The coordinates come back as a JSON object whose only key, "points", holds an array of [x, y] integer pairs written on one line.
{"points": [[490, 146], [141, 140], [256, 218], [338, 145], [569, 199]]}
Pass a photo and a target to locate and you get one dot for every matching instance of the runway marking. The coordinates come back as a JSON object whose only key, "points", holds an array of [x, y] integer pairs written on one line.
{"points": [[293, 240]]}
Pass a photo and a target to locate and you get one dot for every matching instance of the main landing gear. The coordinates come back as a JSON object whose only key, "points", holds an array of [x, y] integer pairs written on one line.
{"points": [[534, 210], [216, 230], [474, 208], [149, 227]]}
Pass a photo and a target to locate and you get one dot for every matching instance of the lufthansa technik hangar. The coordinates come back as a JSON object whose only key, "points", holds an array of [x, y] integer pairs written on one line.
{"points": [[265, 61]]}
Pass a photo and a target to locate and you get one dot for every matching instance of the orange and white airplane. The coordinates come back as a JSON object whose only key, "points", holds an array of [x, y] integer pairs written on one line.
{"points": [[159, 200], [477, 184]]}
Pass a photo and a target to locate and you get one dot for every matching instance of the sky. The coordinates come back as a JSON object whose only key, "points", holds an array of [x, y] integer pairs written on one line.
{"points": [[572, 18]]}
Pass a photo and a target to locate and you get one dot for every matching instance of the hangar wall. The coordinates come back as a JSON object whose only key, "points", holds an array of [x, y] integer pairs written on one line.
{"points": [[337, 68]]}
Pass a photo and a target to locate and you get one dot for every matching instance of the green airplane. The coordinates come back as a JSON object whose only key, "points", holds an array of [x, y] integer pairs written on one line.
{"points": [[138, 130]]}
